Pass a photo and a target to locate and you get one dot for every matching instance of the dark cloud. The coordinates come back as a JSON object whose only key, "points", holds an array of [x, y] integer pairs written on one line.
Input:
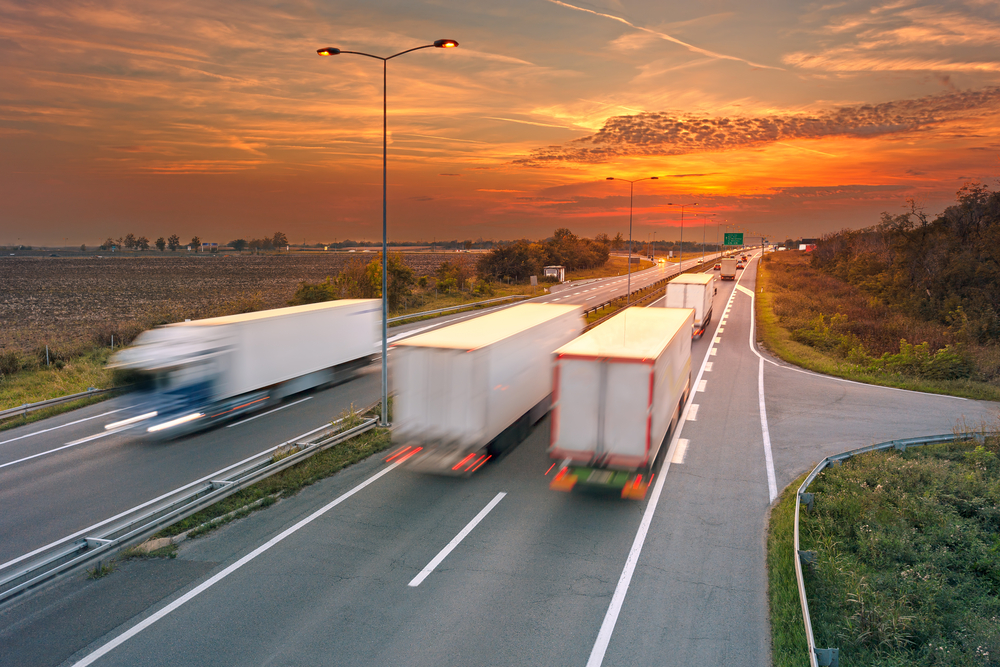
{"points": [[668, 133], [422, 198]]}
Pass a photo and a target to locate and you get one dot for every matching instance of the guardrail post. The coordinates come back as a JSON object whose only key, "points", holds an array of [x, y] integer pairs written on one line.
{"points": [[899, 445], [807, 498], [807, 557], [828, 657]]}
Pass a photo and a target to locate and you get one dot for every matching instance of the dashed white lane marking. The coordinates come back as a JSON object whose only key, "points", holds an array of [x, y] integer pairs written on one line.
{"points": [[557, 298], [714, 351], [701, 385], [264, 414], [693, 413], [590, 297], [681, 451], [198, 590], [457, 539], [81, 441], [718, 339], [721, 330], [54, 428], [708, 366]]}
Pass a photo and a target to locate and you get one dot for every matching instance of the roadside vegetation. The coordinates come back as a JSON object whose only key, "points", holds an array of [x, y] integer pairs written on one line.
{"points": [[907, 565]]}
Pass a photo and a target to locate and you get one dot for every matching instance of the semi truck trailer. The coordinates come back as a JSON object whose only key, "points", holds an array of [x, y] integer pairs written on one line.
{"points": [[198, 373], [618, 390], [471, 391], [728, 271], [693, 290]]}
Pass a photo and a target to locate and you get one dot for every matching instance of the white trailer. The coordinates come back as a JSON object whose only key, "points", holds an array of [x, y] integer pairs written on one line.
{"points": [[728, 271], [693, 290], [471, 390], [618, 391], [199, 372]]}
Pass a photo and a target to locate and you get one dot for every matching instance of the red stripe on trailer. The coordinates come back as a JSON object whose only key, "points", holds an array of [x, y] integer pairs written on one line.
{"points": [[554, 429], [649, 417]]}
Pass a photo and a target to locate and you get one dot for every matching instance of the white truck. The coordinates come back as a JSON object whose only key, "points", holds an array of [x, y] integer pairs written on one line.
{"points": [[619, 389], [198, 373], [470, 391], [693, 290], [728, 271]]}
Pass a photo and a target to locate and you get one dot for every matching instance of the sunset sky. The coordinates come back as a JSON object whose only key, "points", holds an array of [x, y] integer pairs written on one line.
{"points": [[219, 119]]}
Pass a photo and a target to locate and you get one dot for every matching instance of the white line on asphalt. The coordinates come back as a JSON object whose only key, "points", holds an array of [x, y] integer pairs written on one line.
{"points": [[264, 414], [717, 339], [215, 475], [721, 330], [681, 451], [701, 385], [618, 598], [708, 366], [66, 446], [417, 580], [693, 413], [54, 428], [714, 351], [201, 588]]}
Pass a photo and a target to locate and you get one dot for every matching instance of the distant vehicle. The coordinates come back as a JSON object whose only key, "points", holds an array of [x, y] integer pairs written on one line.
{"points": [[739, 265], [199, 373], [619, 391], [472, 390], [693, 290], [728, 270], [717, 267]]}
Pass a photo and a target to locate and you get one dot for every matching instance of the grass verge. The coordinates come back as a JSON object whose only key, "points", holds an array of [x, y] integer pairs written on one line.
{"points": [[788, 635], [907, 568], [783, 303]]}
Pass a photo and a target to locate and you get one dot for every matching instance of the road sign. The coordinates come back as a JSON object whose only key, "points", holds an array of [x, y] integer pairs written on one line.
{"points": [[733, 238]]}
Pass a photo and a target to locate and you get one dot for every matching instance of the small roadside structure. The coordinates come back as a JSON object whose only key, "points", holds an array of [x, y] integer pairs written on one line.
{"points": [[558, 272]]}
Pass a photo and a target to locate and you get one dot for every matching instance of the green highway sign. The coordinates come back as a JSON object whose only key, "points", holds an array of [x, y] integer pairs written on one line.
{"points": [[733, 238]]}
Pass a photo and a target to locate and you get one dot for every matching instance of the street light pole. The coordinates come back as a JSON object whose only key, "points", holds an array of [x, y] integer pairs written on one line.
{"points": [[331, 51], [680, 263], [631, 189]]}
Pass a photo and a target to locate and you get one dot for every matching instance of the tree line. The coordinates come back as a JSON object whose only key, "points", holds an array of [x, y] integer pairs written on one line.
{"points": [[517, 261], [946, 269], [173, 243]]}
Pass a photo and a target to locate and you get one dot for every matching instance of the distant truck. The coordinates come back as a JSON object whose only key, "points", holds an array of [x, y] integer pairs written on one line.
{"points": [[471, 391], [619, 390], [728, 271], [693, 290], [198, 373]]}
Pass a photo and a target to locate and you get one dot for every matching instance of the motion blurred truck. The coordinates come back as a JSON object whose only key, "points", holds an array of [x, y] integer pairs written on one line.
{"points": [[728, 271], [196, 374], [618, 391], [472, 390], [693, 290]]}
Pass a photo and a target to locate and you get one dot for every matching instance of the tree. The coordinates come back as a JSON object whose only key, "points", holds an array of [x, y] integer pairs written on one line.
{"points": [[108, 244], [129, 241], [161, 244], [239, 245], [279, 239], [173, 242], [196, 243], [142, 243], [617, 242], [83, 247]]}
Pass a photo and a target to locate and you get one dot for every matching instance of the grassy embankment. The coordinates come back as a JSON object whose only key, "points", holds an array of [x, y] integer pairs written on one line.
{"points": [[819, 322], [907, 569]]}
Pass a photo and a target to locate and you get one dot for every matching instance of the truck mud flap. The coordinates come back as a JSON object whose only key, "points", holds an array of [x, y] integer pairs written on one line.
{"points": [[633, 485]]}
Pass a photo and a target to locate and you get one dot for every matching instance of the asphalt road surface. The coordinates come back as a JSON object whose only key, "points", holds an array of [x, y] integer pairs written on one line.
{"points": [[378, 565]]}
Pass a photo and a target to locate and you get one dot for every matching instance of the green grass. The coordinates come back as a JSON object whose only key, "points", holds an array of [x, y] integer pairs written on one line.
{"points": [[788, 635], [908, 557], [776, 336]]}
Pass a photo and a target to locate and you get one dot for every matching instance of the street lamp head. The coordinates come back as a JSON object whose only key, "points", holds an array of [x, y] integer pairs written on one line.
{"points": [[654, 178], [328, 51], [611, 178], [445, 43]]}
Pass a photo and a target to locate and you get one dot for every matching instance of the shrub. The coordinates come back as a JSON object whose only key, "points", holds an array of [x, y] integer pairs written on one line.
{"points": [[10, 363]]}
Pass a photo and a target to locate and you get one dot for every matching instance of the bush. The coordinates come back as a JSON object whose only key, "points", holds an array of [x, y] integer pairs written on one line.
{"points": [[10, 363]]}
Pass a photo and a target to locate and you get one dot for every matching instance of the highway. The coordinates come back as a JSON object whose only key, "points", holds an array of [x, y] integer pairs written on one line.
{"points": [[341, 573]]}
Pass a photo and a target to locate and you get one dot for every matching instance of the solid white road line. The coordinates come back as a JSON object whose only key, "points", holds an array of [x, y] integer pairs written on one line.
{"points": [[264, 414], [681, 451], [618, 598], [81, 441], [201, 588], [417, 580], [215, 475], [55, 428]]}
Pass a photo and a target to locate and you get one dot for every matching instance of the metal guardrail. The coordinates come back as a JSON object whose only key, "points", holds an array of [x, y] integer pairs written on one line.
{"points": [[146, 520], [31, 407], [451, 309], [830, 657]]}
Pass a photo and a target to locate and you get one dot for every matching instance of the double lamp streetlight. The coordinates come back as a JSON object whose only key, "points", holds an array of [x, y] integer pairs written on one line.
{"points": [[631, 190], [330, 51]]}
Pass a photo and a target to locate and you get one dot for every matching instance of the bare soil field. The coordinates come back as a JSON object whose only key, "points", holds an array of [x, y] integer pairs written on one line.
{"points": [[72, 302]]}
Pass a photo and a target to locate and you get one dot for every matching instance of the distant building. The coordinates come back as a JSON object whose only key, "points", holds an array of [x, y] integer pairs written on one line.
{"points": [[210, 247]]}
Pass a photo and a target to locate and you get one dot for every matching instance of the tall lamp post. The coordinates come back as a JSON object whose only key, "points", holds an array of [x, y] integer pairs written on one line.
{"points": [[331, 51], [631, 190], [680, 264], [703, 227]]}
